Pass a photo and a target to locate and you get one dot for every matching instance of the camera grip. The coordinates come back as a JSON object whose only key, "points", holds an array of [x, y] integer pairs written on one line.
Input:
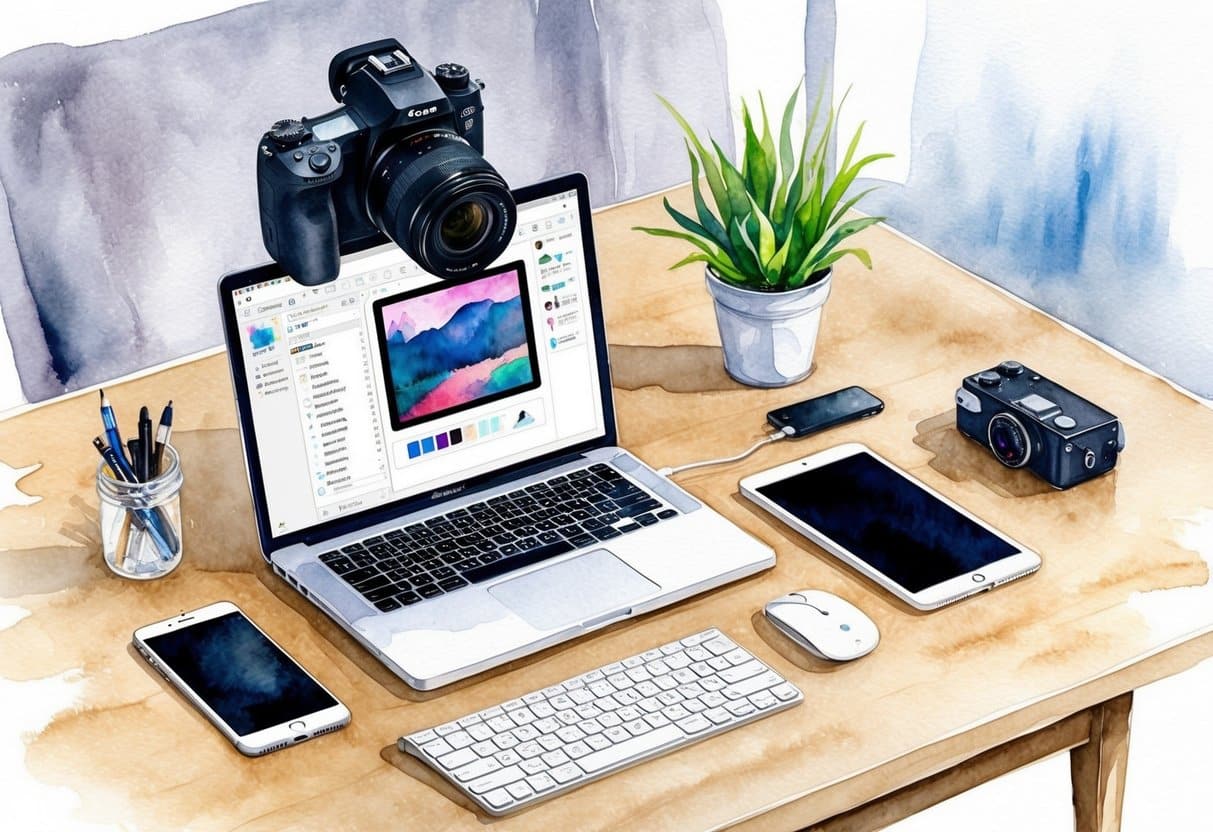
{"points": [[307, 241]]}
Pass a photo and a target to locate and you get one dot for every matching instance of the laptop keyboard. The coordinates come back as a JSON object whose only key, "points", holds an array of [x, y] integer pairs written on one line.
{"points": [[501, 534]]}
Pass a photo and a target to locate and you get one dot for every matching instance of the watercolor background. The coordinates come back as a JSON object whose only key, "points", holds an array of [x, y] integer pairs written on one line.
{"points": [[127, 181], [1059, 150]]}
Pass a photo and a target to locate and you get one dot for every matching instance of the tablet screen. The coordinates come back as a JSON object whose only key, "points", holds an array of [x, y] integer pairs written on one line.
{"points": [[888, 521]]}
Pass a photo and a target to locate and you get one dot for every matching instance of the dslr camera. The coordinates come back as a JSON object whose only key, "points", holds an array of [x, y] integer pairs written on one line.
{"points": [[1028, 421], [401, 158]]}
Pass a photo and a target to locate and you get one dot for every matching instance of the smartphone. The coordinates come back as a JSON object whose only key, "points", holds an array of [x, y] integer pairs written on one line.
{"points": [[245, 684], [826, 411], [890, 526]]}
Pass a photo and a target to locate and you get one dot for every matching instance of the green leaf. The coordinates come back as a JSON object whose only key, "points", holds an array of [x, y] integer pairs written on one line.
{"points": [[721, 265], [693, 239], [787, 161], [710, 170], [776, 263], [838, 254], [685, 221], [768, 159], [753, 267], [707, 219], [850, 203], [753, 161], [738, 194], [766, 240], [838, 233]]}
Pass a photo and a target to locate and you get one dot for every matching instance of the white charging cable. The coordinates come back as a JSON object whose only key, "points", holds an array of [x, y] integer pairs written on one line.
{"points": [[771, 437]]}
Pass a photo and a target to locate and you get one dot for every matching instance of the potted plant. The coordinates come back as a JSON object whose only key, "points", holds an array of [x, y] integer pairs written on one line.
{"points": [[771, 240]]}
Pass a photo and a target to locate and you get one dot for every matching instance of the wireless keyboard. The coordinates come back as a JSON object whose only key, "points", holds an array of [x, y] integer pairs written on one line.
{"points": [[553, 740]]}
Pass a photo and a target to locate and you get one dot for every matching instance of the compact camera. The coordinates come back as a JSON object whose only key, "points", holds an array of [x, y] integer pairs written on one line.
{"points": [[402, 157], [1028, 421]]}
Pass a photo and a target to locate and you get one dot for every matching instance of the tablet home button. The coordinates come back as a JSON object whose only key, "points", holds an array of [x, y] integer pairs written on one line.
{"points": [[297, 725], [978, 577]]}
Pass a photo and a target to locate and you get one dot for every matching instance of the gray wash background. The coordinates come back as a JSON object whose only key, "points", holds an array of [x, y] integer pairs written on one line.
{"points": [[127, 167]]}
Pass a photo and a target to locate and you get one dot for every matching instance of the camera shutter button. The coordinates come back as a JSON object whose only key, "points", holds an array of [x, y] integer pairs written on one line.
{"points": [[320, 162], [451, 76], [1010, 368], [1064, 422]]}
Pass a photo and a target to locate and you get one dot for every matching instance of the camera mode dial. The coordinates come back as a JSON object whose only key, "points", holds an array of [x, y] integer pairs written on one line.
{"points": [[1010, 369], [451, 77], [989, 378], [288, 133]]}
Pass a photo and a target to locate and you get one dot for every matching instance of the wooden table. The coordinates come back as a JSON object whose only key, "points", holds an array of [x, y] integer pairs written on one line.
{"points": [[949, 699]]}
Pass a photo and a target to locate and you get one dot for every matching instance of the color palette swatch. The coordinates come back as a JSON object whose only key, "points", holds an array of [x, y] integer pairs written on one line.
{"points": [[468, 433]]}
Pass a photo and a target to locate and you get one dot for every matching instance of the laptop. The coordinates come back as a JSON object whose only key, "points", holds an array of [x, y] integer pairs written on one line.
{"points": [[433, 463]]}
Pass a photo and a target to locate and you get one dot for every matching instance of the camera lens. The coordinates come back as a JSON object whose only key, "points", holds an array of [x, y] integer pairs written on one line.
{"points": [[464, 225], [441, 202], [1009, 441]]}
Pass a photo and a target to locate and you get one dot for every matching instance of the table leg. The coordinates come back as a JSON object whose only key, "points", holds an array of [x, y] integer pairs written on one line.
{"points": [[1097, 768]]}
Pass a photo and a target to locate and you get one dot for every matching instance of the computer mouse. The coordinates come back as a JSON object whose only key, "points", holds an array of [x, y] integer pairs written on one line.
{"points": [[824, 624]]}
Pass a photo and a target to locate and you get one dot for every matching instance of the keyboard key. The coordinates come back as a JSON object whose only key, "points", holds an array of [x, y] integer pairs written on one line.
{"points": [[565, 773], [498, 798], [633, 747], [457, 759], [540, 553], [520, 790], [340, 565], [387, 604], [541, 782], [645, 519], [495, 780]]}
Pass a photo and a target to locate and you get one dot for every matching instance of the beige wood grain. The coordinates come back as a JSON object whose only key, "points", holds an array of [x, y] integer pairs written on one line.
{"points": [[941, 688], [1097, 768]]}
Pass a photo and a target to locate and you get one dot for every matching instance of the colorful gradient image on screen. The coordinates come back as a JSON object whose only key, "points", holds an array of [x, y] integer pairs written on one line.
{"points": [[453, 345]]}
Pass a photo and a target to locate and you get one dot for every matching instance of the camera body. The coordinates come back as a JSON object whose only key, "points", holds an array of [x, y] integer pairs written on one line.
{"points": [[1028, 421], [401, 157]]}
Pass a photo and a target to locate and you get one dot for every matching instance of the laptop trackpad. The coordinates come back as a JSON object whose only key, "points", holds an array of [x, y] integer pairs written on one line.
{"points": [[576, 591]]}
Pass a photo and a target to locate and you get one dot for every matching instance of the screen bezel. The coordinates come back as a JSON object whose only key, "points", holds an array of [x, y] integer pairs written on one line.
{"points": [[524, 295], [1022, 562], [255, 742], [374, 515]]}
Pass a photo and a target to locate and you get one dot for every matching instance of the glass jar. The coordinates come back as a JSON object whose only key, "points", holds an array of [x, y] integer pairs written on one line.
{"points": [[141, 521]]}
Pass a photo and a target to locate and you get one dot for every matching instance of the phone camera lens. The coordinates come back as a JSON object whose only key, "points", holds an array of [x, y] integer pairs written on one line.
{"points": [[1009, 441]]}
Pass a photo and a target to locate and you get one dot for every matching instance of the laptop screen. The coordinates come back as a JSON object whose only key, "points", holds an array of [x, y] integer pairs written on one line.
{"points": [[389, 382]]}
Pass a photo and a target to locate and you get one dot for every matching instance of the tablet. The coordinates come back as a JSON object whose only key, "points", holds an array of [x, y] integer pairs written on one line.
{"points": [[905, 536]]}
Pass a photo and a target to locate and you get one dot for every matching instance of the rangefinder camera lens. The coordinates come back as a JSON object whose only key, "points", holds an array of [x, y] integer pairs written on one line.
{"points": [[1009, 441]]}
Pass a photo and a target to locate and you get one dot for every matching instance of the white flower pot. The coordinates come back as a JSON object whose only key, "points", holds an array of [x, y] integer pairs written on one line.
{"points": [[768, 337]]}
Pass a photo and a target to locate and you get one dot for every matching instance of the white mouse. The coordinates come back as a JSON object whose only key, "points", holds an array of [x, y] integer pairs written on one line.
{"points": [[824, 624]]}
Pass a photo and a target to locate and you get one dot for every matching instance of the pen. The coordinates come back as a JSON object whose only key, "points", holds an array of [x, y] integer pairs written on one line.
{"points": [[132, 448], [144, 460], [162, 435], [115, 440], [141, 518]]}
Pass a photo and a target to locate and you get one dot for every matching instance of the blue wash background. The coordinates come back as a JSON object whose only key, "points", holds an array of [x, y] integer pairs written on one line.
{"points": [[127, 167]]}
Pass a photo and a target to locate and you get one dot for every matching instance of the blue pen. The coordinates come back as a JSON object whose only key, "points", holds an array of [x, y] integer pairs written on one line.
{"points": [[155, 521], [141, 518]]}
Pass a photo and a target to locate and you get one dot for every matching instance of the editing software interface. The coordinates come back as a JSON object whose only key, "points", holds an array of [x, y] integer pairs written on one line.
{"points": [[390, 382]]}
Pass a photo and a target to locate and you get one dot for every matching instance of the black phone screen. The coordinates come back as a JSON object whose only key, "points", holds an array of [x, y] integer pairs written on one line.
{"points": [[826, 411], [239, 673]]}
